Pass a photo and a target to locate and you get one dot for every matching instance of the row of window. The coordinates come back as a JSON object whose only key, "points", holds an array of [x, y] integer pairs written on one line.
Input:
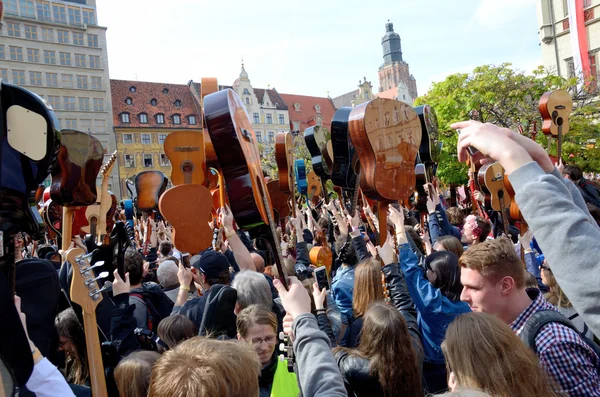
{"points": [[65, 58], [153, 101], [52, 80], [85, 125], [69, 103], [159, 118], [148, 160], [268, 118], [14, 29], [47, 11]]}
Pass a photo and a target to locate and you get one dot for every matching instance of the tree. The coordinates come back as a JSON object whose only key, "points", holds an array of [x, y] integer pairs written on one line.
{"points": [[509, 98], [267, 151]]}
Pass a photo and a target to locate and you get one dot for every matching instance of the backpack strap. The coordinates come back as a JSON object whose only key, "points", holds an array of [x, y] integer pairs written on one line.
{"points": [[148, 311], [537, 321]]}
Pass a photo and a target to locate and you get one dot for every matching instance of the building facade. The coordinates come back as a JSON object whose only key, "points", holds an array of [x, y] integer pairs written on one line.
{"points": [[362, 94], [394, 69], [143, 115], [555, 36], [306, 111], [57, 50]]}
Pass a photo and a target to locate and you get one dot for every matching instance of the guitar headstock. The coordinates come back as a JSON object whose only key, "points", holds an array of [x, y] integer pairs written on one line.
{"points": [[108, 166], [84, 286], [533, 129], [555, 108]]}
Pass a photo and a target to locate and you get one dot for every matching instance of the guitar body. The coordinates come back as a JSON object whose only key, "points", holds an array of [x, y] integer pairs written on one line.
{"points": [[491, 181], [185, 150], [428, 150], [280, 200], [284, 157], [149, 185], [188, 210], [127, 206], [300, 171], [386, 134], [321, 256], [513, 211], [234, 142], [342, 173], [421, 181], [315, 189], [316, 139], [52, 214], [555, 108], [74, 174]]}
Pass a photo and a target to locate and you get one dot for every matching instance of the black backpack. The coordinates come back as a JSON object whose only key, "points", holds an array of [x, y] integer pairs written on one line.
{"points": [[158, 304], [219, 317], [539, 319]]}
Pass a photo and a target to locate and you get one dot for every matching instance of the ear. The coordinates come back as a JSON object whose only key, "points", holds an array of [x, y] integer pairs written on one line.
{"points": [[236, 310], [507, 285], [239, 337]]}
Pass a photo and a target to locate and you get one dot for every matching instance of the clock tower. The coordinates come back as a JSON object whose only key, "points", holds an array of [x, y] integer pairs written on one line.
{"points": [[394, 70]]}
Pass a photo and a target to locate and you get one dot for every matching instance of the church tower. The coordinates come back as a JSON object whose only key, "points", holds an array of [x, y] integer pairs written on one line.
{"points": [[395, 70]]}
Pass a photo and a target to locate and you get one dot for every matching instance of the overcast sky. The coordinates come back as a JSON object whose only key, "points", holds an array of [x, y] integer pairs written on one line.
{"points": [[313, 47]]}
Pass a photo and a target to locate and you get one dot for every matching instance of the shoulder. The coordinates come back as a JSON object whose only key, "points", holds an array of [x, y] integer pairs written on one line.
{"points": [[559, 342], [350, 364]]}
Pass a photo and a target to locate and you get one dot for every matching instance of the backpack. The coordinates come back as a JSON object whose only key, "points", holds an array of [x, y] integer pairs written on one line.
{"points": [[539, 319], [158, 304], [219, 317]]}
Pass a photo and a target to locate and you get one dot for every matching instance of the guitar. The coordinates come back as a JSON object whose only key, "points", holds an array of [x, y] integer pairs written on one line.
{"points": [[555, 108], [429, 150], [87, 294], [149, 185], [235, 146], [280, 201], [342, 172], [316, 139], [185, 150], [491, 181], [301, 182], [320, 254], [284, 157], [386, 134], [315, 187]]}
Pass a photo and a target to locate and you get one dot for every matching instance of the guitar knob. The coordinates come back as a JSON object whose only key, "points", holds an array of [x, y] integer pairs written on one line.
{"points": [[282, 347]]}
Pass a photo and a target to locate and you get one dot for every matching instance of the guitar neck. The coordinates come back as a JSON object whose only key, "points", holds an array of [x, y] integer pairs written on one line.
{"points": [[92, 343], [502, 213], [67, 227], [279, 255], [559, 144], [355, 197]]}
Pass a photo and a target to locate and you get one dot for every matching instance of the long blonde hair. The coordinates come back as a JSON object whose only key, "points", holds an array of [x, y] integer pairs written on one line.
{"points": [[368, 288], [556, 296], [485, 354]]}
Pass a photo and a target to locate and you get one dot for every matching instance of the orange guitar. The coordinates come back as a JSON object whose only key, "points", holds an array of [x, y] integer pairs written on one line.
{"points": [[555, 108], [491, 181]]}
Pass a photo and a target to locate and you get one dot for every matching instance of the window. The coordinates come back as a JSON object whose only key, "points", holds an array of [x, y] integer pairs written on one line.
{"points": [[259, 136], [80, 60], [4, 74], [146, 139], [85, 125], [124, 117], [161, 138], [271, 136], [18, 77], [100, 126], [570, 69], [143, 118], [54, 101], [74, 16], [48, 34], [82, 82], [94, 62], [33, 55], [11, 6], [296, 126], [247, 101], [127, 139], [593, 72], [69, 102], [67, 80], [164, 160], [132, 89], [35, 78], [93, 40], [27, 9], [128, 101], [178, 103], [43, 11], [84, 104], [78, 38], [256, 118], [160, 118], [63, 36], [317, 108], [176, 119], [31, 32], [96, 83], [129, 161], [2, 53], [192, 120], [246, 92], [89, 18], [269, 118], [297, 107], [281, 119], [98, 104], [148, 160], [65, 59], [153, 102], [16, 53], [60, 14], [165, 91], [587, 3], [49, 57], [71, 124]]}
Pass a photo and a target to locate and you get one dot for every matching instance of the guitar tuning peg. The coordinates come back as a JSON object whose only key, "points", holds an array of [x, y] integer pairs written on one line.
{"points": [[93, 280], [95, 294], [282, 347], [87, 269], [81, 258]]}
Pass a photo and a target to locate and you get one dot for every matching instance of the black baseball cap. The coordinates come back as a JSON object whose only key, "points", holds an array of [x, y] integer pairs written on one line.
{"points": [[211, 263]]}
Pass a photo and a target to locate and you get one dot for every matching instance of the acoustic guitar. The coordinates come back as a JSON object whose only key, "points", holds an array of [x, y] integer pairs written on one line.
{"points": [[149, 185], [284, 157], [279, 200], [316, 139], [555, 108], [342, 172], [491, 181], [185, 150], [87, 294], [315, 187]]}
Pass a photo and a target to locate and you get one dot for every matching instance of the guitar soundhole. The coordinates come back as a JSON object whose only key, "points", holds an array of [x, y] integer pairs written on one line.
{"points": [[501, 193], [187, 167]]}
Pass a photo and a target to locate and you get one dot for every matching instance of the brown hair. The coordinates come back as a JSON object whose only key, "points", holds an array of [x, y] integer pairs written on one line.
{"points": [[252, 315], [484, 353], [530, 280], [495, 259], [206, 367], [455, 216], [386, 343], [555, 296], [367, 286], [452, 244], [416, 238], [132, 375], [175, 329], [68, 326]]}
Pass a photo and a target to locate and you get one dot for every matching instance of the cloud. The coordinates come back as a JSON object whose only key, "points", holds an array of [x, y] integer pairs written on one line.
{"points": [[493, 14]]}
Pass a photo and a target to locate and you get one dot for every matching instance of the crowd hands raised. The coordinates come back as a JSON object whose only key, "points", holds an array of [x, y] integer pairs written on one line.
{"points": [[443, 309]]}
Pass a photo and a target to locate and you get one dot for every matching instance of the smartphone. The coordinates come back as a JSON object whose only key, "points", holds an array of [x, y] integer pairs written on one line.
{"points": [[185, 258], [321, 276], [472, 151]]}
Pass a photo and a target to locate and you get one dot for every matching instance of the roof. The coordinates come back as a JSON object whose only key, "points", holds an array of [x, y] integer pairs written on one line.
{"points": [[306, 114], [345, 99], [274, 98], [392, 93], [165, 94]]}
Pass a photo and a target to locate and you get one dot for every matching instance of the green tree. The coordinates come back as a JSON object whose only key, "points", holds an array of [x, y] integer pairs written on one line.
{"points": [[268, 162], [509, 98]]}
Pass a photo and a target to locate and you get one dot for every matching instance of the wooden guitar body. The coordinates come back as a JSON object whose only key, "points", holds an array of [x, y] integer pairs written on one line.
{"points": [[150, 185], [188, 210], [74, 174], [555, 108], [316, 139], [491, 181], [342, 173], [185, 150], [280, 200], [386, 134], [315, 189], [514, 211], [284, 157]]}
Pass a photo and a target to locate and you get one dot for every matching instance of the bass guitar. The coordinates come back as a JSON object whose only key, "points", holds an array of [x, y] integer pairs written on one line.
{"points": [[555, 108]]}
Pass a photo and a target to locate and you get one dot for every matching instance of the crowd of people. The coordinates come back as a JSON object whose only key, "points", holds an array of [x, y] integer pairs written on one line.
{"points": [[447, 307]]}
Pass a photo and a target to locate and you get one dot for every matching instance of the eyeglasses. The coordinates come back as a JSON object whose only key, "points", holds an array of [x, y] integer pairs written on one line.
{"points": [[270, 340]]}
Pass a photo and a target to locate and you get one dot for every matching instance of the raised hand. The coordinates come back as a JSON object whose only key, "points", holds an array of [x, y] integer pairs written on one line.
{"points": [[295, 301], [387, 252]]}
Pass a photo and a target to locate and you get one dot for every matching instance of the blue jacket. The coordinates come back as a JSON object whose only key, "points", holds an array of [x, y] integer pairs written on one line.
{"points": [[435, 311], [341, 290], [439, 225]]}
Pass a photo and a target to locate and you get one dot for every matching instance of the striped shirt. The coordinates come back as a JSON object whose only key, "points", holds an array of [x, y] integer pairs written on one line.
{"points": [[562, 353]]}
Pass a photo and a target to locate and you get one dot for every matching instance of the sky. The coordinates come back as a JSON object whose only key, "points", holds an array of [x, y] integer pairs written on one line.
{"points": [[311, 47]]}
